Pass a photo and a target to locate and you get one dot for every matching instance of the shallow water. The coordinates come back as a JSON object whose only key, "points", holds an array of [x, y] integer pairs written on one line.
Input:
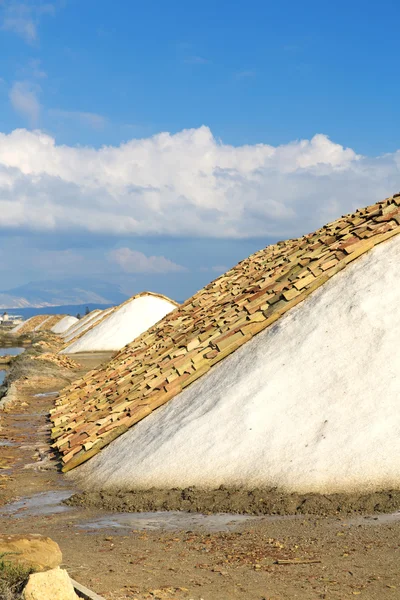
{"points": [[6, 443], [49, 503], [11, 351], [378, 519], [170, 521], [46, 503]]}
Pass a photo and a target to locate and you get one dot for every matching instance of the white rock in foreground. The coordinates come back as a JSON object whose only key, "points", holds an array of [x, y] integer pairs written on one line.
{"points": [[123, 325], [50, 585], [310, 404]]}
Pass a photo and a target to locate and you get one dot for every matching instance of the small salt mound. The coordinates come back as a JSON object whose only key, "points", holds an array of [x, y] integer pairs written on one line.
{"points": [[70, 335], [30, 324], [123, 325], [81, 322], [64, 324], [311, 404], [19, 326], [42, 324]]}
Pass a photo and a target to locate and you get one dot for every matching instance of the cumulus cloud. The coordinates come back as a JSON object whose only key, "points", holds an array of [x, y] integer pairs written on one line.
{"points": [[186, 184], [132, 261], [23, 18], [24, 100]]}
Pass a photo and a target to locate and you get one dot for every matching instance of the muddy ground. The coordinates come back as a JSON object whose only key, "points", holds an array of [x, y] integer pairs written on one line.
{"points": [[240, 501], [161, 556]]}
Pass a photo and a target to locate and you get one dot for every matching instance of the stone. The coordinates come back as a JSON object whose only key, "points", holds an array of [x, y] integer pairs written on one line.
{"points": [[33, 550], [51, 585]]}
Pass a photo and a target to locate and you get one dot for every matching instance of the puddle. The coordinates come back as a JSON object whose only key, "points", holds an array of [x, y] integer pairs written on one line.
{"points": [[11, 351], [173, 520], [2, 376], [6, 443], [46, 395], [46, 503], [378, 519]]}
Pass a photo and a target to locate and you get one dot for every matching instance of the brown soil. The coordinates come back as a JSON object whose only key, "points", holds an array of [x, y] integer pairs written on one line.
{"points": [[336, 557], [239, 501]]}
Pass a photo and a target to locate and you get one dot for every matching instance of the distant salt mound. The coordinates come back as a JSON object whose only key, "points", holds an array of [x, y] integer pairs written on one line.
{"points": [[42, 325], [311, 403], [64, 324], [81, 322], [124, 324], [84, 324], [30, 325]]}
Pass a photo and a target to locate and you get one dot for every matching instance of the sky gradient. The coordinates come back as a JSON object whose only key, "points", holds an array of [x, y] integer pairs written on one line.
{"points": [[156, 144]]}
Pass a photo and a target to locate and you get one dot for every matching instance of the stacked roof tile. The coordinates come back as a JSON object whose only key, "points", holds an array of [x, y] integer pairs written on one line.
{"points": [[212, 324], [48, 323], [36, 323]]}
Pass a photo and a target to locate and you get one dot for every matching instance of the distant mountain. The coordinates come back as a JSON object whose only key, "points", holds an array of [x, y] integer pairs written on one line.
{"points": [[60, 293], [66, 309]]}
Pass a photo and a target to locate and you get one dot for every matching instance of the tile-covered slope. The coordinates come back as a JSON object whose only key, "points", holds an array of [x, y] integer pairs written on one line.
{"points": [[38, 323], [208, 327], [30, 325], [50, 322], [80, 334]]}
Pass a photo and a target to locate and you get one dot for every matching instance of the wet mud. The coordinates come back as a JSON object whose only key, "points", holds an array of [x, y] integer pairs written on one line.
{"points": [[239, 501]]}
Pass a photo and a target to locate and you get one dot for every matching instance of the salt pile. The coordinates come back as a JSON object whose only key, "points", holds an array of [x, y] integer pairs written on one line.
{"points": [[64, 324], [84, 324], [30, 324], [271, 375], [311, 404], [38, 323], [124, 324], [81, 321], [42, 324]]}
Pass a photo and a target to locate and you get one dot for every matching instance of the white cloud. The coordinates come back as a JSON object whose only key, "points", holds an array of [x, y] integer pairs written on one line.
{"points": [[23, 18], [89, 119], [132, 261], [34, 69], [186, 184], [24, 100]]}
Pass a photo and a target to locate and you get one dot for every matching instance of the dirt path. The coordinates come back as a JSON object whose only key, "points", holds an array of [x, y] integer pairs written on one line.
{"points": [[344, 558]]}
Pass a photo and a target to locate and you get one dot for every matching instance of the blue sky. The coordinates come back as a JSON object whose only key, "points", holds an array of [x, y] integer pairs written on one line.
{"points": [[278, 117]]}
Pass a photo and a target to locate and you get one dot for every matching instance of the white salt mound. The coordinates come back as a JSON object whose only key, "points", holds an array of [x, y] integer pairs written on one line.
{"points": [[312, 404], [81, 322], [88, 323], [123, 325], [64, 324]]}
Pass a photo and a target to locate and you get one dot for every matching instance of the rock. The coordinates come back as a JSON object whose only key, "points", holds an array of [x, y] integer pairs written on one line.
{"points": [[51, 585], [32, 550]]}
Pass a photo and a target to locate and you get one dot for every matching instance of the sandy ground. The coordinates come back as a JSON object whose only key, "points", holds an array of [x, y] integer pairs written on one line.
{"points": [[200, 558]]}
